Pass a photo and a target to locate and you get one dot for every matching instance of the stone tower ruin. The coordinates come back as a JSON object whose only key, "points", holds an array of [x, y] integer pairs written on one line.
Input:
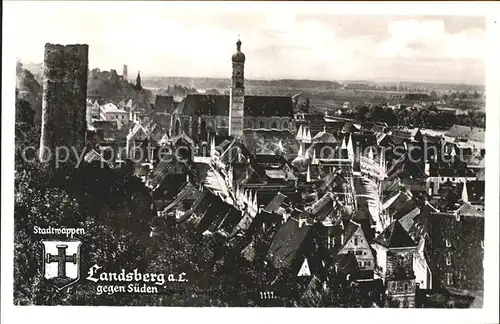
{"points": [[64, 98]]}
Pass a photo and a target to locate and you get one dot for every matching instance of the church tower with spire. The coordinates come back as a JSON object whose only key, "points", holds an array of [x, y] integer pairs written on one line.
{"points": [[237, 93], [138, 84]]}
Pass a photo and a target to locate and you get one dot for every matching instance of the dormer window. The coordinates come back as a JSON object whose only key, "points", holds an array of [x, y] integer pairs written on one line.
{"points": [[448, 243], [448, 261]]}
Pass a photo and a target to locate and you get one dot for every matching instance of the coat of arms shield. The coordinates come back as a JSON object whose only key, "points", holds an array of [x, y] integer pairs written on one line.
{"points": [[61, 262]]}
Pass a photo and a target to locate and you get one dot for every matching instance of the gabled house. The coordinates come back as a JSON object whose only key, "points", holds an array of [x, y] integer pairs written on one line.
{"points": [[134, 138], [353, 241], [440, 172], [454, 250], [394, 250], [473, 192], [292, 250]]}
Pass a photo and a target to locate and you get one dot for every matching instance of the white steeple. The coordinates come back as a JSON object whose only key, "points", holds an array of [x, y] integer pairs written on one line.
{"points": [[308, 136], [255, 206], [299, 136], [212, 147], [465, 194], [453, 152]]}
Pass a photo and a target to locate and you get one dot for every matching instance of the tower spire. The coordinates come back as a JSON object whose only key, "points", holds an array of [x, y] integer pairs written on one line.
{"points": [[138, 84], [238, 44]]}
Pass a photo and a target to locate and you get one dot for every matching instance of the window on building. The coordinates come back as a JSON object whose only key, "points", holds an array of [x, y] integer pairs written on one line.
{"points": [[355, 241], [359, 253], [285, 125], [448, 261], [406, 304], [367, 263], [274, 125], [406, 286], [261, 124], [448, 243], [449, 279]]}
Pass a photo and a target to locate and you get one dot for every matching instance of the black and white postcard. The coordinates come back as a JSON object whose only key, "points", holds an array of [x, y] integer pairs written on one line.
{"points": [[250, 155]]}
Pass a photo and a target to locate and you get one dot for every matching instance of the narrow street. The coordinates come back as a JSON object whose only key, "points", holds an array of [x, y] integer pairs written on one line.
{"points": [[367, 196]]}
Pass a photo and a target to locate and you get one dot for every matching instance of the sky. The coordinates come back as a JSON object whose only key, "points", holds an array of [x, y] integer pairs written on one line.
{"points": [[280, 41]]}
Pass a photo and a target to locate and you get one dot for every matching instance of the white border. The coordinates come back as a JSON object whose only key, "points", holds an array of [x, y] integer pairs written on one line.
{"points": [[489, 314]]}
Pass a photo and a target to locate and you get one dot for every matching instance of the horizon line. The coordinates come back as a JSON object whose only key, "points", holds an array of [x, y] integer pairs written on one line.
{"points": [[342, 80]]}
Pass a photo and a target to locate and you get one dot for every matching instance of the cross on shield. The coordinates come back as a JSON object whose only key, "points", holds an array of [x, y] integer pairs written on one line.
{"points": [[61, 262]]}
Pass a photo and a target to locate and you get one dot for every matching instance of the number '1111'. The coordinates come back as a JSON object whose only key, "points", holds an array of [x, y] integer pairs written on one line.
{"points": [[266, 295]]}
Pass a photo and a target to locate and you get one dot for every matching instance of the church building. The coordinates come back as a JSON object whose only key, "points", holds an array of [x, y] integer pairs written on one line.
{"points": [[201, 114]]}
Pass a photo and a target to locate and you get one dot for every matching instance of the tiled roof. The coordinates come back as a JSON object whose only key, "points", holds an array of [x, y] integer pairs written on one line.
{"points": [[164, 104], [404, 167], [350, 230], [467, 209], [188, 191], [323, 207], [401, 133], [163, 168], [232, 218], [403, 209], [218, 105], [346, 263], [112, 108], [267, 106], [394, 203], [324, 137], [394, 236], [408, 220], [475, 190], [453, 168], [286, 243], [268, 142], [471, 133], [349, 128], [396, 140], [276, 203]]}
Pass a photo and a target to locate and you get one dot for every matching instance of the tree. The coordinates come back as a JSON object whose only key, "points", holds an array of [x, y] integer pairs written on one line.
{"points": [[363, 113], [112, 209]]}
